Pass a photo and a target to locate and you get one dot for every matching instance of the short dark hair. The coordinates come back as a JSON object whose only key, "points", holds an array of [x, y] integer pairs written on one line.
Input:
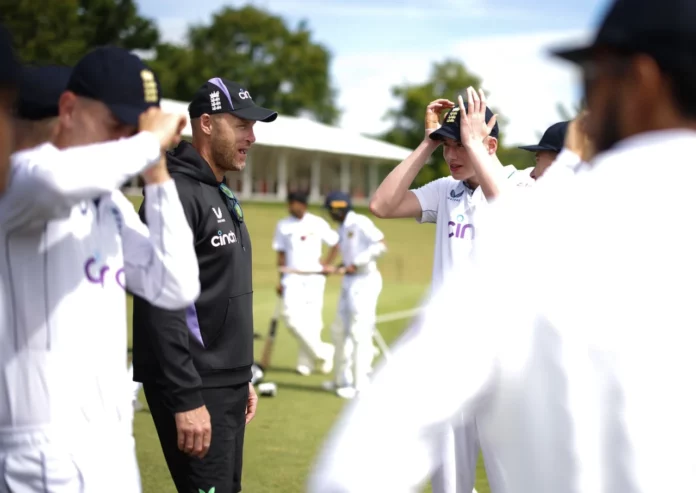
{"points": [[298, 196]]}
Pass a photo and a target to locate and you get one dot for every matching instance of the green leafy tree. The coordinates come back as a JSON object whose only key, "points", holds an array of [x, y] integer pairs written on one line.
{"points": [[62, 31], [282, 67], [448, 79]]}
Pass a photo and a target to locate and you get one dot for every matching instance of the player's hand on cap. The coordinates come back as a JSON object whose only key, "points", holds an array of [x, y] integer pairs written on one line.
{"points": [[193, 431], [166, 126], [433, 113], [473, 128], [252, 401]]}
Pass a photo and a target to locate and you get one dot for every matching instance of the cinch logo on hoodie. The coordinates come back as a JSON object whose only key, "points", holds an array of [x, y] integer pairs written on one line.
{"points": [[223, 239]]}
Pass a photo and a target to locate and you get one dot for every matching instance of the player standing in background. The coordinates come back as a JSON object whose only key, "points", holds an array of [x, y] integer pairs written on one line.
{"points": [[9, 76], [71, 244], [469, 134], [548, 148], [298, 241], [361, 243]]}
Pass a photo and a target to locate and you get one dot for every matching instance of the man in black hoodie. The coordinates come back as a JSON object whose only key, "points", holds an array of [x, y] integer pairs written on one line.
{"points": [[195, 364]]}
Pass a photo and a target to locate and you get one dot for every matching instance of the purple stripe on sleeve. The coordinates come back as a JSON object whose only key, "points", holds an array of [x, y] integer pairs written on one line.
{"points": [[192, 323], [218, 82]]}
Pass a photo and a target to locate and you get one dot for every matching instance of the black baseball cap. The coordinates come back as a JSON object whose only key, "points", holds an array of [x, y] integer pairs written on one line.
{"points": [[664, 29], [40, 89], [9, 74], [450, 126], [119, 79], [225, 96], [552, 140], [300, 197]]}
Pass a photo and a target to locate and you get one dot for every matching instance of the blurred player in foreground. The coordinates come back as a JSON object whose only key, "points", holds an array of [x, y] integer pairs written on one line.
{"points": [[469, 134], [71, 244], [361, 243], [9, 76], [548, 148], [298, 240], [560, 374]]}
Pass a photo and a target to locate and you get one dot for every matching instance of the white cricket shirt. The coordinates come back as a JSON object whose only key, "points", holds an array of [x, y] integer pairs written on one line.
{"points": [[585, 374], [66, 262], [301, 240], [452, 205], [360, 242]]}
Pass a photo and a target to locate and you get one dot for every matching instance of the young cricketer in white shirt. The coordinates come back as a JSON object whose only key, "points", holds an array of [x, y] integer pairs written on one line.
{"points": [[361, 243], [71, 245], [298, 242], [469, 134]]}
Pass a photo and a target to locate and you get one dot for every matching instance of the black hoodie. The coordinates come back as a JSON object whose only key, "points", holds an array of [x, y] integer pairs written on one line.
{"points": [[211, 343]]}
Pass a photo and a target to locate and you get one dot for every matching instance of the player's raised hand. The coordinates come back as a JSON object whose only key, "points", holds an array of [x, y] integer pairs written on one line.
{"points": [[166, 126], [433, 113], [473, 127]]}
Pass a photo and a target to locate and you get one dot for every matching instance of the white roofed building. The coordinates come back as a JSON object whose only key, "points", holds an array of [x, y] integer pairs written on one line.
{"points": [[294, 153]]}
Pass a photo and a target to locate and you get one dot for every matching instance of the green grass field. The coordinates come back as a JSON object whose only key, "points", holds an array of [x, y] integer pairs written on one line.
{"points": [[288, 430]]}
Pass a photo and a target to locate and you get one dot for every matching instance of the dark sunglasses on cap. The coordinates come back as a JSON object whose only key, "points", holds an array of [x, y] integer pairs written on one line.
{"points": [[232, 203]]}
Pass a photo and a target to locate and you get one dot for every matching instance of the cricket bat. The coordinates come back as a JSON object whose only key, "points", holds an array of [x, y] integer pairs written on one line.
{"points": [[272, 329]]}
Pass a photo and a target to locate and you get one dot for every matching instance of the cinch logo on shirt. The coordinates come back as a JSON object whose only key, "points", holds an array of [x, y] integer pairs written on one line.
{"points": [[460, 230], [98, 275], [223, 239]]}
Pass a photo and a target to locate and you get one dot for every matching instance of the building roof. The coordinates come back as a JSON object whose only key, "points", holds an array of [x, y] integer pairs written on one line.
{"points": [[300, 133]]}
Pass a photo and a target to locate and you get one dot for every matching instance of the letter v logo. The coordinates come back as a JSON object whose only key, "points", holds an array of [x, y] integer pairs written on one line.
{"points": [[212, 490], [218, 214]]}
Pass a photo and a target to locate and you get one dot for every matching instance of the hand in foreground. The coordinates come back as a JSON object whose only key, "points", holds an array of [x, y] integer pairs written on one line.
{"points": [[328, 269], [473, 127], [193, 431], [252, 400], [166, 126], [349, 270], [433, 112]]}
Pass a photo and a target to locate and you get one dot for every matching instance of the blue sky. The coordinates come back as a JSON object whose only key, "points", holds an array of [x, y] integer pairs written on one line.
{"points": [[380, 43]]}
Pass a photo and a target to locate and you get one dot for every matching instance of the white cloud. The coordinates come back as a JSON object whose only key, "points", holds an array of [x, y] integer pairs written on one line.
{"points": [[525, 83]]}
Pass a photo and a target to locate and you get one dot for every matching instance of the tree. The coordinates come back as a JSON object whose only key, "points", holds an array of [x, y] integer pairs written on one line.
{"points": [[283, 68], [448, 79], [50, 31]]}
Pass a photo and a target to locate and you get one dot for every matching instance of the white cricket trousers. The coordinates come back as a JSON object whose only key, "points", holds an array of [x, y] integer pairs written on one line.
{"points": [[460, 449], [303, 303], [104, 462], [352, 331]]}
